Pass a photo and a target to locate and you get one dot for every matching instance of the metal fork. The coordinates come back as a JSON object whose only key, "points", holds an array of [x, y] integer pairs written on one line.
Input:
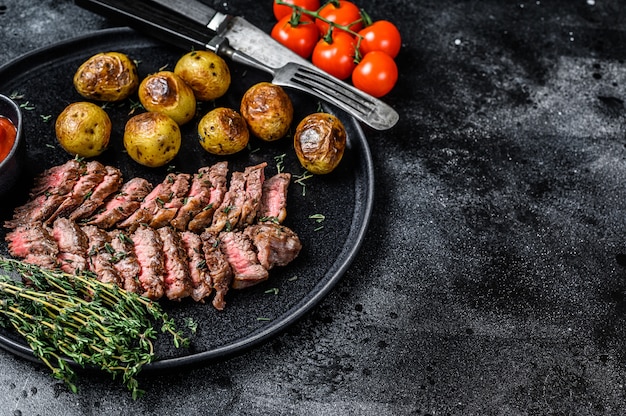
{"points": [[362, 106]]}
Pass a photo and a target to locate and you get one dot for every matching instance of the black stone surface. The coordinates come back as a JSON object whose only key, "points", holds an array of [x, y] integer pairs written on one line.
{"points": [[491, 281]]}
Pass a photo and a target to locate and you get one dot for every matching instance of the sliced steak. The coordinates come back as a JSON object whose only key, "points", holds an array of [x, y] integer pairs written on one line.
{"points": [[72, 243], [176, 279], [52, 187], [198, 198], [123, 204], [33, 243], [125, 262], [227, 215], [219, 269], [198, 272], [239, 252], [274, 199], [148, 250], [276, 245], [89, 180], [203, 208], [167, 210], [110, 184], [100, 255], [151, 203], [58, 179], [255, 176]]}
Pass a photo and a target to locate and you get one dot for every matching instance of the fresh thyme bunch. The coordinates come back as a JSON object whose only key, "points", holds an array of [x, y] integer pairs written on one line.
{"points": [[64, 316]]}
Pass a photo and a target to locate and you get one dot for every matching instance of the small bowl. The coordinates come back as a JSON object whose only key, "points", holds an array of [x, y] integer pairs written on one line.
{"points": [[11, 166]]}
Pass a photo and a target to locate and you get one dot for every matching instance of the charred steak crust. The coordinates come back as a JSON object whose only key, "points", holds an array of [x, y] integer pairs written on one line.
{"points": [[198, 271], [167, 209], [51, 189], [148, 250], [92, 176], [255, 176], [276, 245], [220, 271], [123, 204], [110, 184], [125, 264], [72, 243], [176, 279], [201, 208], [34, 244], [227, 214], [151, 203], [100, 255]]}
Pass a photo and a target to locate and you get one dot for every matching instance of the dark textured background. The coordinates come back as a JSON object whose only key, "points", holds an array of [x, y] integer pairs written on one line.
{"points": [[491, 281]]}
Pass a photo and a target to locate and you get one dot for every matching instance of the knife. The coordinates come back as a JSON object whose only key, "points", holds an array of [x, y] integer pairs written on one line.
{"points": [[234, 37]]}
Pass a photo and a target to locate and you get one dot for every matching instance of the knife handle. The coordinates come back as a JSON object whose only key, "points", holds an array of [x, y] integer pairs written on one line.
{"points": [[160, 23]]}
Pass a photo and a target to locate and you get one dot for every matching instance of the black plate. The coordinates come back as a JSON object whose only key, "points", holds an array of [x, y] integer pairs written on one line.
{"points": [[43, 82]]}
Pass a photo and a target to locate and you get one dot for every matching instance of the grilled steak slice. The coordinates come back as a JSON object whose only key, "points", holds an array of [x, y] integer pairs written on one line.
{"points": [[123, 204], [239, 252], [110, 184], [151, 203], [276, 245], [148, 250], [125, 262], [198, 197], [51, 189], [220, 270], [176, 279], [227, 215], [73, 243], [198, 272], [274, 199], [58, 179], [34, 244], [168, 209], [100, 255], [202, 208], [255, 176], [92, 177]]}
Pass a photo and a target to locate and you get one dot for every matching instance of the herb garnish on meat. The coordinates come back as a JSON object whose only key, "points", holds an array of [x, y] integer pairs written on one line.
{"points": [[94, 324]]}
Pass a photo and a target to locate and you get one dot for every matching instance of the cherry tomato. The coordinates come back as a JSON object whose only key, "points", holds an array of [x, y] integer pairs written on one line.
{"points": [[376, 74], [383, 36], [336, 57], [280, 10], [347, 14], [300, 38]]}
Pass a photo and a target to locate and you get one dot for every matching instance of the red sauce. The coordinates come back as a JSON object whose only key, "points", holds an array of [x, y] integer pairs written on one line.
{"points": [[7, 136]]}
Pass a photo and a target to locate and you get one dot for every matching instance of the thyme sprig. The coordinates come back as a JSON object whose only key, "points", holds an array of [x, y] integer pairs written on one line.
{"points": [[64, 316]]}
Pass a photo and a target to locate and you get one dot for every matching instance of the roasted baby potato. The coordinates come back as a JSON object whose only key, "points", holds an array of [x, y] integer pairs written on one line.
{"points": [[319, 142], [107, 76], [152, 139], [83, 129], [205, 72], [223, 131], [268, 110], [165, 92]]}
